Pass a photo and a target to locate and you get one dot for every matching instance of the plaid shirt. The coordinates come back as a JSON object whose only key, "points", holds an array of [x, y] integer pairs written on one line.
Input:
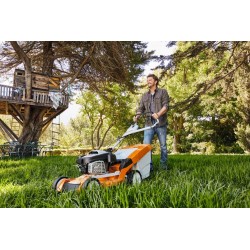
{"points": [[161, 99]]}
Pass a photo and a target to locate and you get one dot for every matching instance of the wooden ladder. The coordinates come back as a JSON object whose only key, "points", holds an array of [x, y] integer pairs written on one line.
{"points": [[55, 131]]}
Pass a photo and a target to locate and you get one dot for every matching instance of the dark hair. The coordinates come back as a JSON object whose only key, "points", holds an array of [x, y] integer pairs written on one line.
{"points": [[154, 77]]}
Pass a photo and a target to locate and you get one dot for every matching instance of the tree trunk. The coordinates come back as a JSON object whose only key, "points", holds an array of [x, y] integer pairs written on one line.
{"points": [[33, 125], [176, 143], [105, 134], [98, 133], [28, 95], [33, 115], [178, 127], [48, 58]]}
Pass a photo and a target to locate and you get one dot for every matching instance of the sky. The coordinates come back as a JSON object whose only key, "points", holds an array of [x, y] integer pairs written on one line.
{"points": [[160, 49]]}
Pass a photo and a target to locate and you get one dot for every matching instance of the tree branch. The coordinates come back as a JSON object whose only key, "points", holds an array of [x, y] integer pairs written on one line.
{"points": [[21, 54], [81, 66], [105, 134], [203, 88]]}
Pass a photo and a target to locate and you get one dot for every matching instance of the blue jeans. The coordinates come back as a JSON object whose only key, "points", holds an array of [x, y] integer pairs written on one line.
{"points": [[162, 136]]}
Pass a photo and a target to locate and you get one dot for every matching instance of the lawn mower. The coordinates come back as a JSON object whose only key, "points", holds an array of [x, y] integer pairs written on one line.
{"points": [[129, 164]]}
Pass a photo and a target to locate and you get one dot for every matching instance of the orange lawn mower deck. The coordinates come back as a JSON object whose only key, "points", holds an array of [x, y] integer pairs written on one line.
{"points": [[105, 168]]}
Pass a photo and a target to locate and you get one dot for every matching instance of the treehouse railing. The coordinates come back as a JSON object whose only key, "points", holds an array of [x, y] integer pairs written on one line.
{"points": [[11, 93], [45, 98], [41, 97]]}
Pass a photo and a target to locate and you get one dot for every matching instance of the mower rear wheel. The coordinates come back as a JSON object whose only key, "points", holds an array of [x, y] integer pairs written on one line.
{"points": [[92, 183], [57, 181], [134, 178]]}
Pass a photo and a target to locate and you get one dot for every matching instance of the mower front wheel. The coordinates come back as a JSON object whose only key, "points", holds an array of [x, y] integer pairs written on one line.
{"points": [[57, 182], [134, 178], [92, 183]]}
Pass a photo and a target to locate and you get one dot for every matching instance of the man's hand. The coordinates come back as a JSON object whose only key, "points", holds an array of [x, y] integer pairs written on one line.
{"points": [[135, 118], [155, 116]]}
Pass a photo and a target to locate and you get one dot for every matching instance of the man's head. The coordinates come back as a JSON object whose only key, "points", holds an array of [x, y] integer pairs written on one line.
{"points": [[152, 80]]}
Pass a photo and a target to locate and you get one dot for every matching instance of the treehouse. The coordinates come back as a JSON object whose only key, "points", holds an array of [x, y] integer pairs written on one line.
{"points": [[46, 96]]}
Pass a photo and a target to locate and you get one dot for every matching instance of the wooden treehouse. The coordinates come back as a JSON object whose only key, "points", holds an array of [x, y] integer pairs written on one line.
{"points": [[45, 94]]}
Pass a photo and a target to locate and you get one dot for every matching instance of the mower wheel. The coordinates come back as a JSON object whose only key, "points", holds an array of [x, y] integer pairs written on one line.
{"points": [[92, 183], [57, 181], [134, 178]]}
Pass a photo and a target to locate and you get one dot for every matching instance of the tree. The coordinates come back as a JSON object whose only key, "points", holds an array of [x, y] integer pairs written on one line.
{"points": [[101, 114], [228, 58], [201, 76], [242, 100], [88, 65]]}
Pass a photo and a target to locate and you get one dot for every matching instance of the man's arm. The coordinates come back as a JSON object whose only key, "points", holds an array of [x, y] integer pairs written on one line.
{"points": [[160, 113], [139, 111]]}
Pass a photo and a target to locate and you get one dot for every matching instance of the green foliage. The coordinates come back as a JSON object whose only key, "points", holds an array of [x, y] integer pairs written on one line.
{"points": [[102, 118], [243, 133], [207, 103], [192, 181]]}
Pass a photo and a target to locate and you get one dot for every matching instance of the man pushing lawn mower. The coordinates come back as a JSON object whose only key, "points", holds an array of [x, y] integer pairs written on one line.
{"points": [[129, 164], [155, 103]]}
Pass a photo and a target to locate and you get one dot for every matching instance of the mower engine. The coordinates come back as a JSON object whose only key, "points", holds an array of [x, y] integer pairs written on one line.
{"points": [[96, 162], [97, 167]]}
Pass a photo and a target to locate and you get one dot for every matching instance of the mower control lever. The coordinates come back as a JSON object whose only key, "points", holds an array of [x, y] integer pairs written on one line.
{"points": [[132, 130]]}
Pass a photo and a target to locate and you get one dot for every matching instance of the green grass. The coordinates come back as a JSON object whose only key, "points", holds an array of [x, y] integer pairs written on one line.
{"points": [[192, 181]]}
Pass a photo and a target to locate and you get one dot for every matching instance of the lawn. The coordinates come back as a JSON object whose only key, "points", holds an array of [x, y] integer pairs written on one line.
{"points": [[209, 181]]}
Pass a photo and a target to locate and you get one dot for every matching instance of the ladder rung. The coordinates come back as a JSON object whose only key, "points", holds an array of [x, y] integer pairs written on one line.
{"points": [[55, 129]]}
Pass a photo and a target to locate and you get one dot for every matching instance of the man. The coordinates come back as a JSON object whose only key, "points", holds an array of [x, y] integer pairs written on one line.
{"points": [[154, 104]]}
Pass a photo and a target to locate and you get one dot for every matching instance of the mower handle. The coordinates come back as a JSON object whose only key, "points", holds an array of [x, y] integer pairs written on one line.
{"points": [[132, 130], [141, 129]]}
